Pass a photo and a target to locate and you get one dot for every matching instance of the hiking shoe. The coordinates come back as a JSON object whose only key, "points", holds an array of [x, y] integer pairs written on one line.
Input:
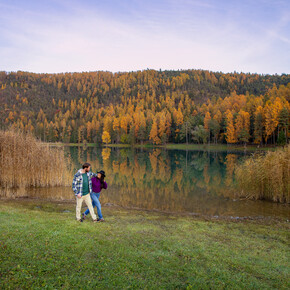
{"points": [[84, 216], [100, 220], [94, 221], [80, 220]]}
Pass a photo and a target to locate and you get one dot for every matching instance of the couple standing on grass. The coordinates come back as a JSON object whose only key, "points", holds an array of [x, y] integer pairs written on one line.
{"points": [[87, 187]]}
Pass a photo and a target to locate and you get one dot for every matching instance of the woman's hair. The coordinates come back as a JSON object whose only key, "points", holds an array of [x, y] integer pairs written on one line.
{"points": [[102, 180]]}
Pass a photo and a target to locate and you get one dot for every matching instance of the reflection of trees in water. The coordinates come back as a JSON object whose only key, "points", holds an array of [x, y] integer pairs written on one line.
{"points": [[206, 175], [160, 178], [106, 152], [153, 157], [230, 162], [176, 185], [200, 160], [216, 171]]}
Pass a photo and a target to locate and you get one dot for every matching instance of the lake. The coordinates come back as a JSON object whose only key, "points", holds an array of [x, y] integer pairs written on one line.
{"points": [[172, 181]]}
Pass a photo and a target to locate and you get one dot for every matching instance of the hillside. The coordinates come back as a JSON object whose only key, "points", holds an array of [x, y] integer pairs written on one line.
{"points": [[147, 106]]}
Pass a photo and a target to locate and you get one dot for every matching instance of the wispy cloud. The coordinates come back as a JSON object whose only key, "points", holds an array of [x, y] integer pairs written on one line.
{"points": [[130, 35]]}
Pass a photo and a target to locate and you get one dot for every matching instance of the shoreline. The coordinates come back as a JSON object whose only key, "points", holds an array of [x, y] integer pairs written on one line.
{"points": [[49, 204], [172, 146]]}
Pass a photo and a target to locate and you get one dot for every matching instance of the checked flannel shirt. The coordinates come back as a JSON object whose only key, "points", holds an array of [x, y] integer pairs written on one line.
{"points": [[77, 184]]}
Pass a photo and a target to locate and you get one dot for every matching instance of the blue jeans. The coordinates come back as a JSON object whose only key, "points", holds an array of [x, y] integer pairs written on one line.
{"points": [[96, 203]]}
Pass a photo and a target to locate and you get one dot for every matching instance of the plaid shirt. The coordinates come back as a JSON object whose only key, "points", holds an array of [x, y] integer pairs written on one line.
{"points": [[77, 184]]}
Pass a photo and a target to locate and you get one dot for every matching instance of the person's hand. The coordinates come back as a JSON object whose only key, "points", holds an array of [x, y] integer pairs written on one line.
{"points": [[79, 195]]}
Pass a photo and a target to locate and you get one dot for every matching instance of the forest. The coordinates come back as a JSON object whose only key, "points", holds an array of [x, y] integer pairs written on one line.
{"points": [[148, 107]]}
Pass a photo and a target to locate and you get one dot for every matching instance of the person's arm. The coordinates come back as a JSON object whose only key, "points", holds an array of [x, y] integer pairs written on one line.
{"points": [[74, 185], [93, 174], [105, 185]]}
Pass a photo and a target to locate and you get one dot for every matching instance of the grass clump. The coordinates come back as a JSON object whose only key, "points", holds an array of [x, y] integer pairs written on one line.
{"points": [[266, 176], [27, 162]]}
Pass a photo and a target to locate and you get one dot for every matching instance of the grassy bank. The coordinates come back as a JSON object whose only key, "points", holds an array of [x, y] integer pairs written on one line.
{"points": [[43, 246], [207, 147], [218, 147], [59, 144]]}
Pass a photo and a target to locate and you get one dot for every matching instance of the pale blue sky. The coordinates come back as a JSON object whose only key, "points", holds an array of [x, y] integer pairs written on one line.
{"points": [[128, 35]]}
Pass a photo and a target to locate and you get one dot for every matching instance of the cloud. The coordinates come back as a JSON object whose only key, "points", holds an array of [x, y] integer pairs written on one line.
{"points": [[161, 34]]}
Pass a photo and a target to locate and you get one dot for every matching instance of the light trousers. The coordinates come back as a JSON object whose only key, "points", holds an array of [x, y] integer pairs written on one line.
{"points": [[96, 203], [87, 199]]}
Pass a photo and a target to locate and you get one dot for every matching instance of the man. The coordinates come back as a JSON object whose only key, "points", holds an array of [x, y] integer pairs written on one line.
{"points": [[82, 187]]}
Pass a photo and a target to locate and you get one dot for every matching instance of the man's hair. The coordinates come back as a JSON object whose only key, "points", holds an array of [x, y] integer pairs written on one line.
{"points": [[86, 165]]}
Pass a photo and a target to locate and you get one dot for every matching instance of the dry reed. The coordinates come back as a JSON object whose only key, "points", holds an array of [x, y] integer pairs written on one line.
{"points": [[266, 177], [27, 162]]}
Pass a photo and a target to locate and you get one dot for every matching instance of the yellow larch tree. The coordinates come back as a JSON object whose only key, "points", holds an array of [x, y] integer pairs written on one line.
{"points": [[162, 127], [154, 133], [271, 113], [106, 138], [231, 135], [207, 119], [258, 125], [243, 126], [124, 124]]}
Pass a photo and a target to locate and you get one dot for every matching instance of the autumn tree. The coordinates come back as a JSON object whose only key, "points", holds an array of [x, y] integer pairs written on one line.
{"points": [[207, 120], [231, 135], [116, 128], [243, 126], [162, 128], [106, 138], [284, 121], [258, 126], [270, 120], [154, 133]]}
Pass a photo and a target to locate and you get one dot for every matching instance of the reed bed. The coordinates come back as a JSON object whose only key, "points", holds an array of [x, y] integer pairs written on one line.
{"points": [[266, 176], [27, 162]]}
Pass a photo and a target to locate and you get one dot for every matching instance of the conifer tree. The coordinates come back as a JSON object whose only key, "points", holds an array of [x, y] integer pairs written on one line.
{"points": [[231, 135]]}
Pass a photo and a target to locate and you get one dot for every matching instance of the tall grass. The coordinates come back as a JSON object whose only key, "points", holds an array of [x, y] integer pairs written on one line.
{"points": [[266, 177], [27, 162]]}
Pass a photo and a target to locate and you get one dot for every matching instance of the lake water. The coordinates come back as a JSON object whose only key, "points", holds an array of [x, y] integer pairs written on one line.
{"points": [[174, 181]]}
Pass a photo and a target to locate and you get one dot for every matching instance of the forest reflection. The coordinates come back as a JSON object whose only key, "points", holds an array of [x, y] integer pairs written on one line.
{"points": [[167, 180], [175, 181]]}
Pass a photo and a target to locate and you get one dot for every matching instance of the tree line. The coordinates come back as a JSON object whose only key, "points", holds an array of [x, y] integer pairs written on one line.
{"points": [[158, 107]]}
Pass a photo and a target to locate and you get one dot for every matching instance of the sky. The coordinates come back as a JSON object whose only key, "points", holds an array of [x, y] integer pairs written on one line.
{"points": [[54, 36]]}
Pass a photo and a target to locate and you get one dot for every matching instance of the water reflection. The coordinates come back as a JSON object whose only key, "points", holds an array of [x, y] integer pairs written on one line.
{"points": [[195, 182]]}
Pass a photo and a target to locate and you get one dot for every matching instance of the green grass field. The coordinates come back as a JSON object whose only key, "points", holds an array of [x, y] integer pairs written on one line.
{"points": [[42, 246]]}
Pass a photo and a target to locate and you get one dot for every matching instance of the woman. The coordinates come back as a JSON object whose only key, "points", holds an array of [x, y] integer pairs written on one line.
{"points": [[98, 183]]}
